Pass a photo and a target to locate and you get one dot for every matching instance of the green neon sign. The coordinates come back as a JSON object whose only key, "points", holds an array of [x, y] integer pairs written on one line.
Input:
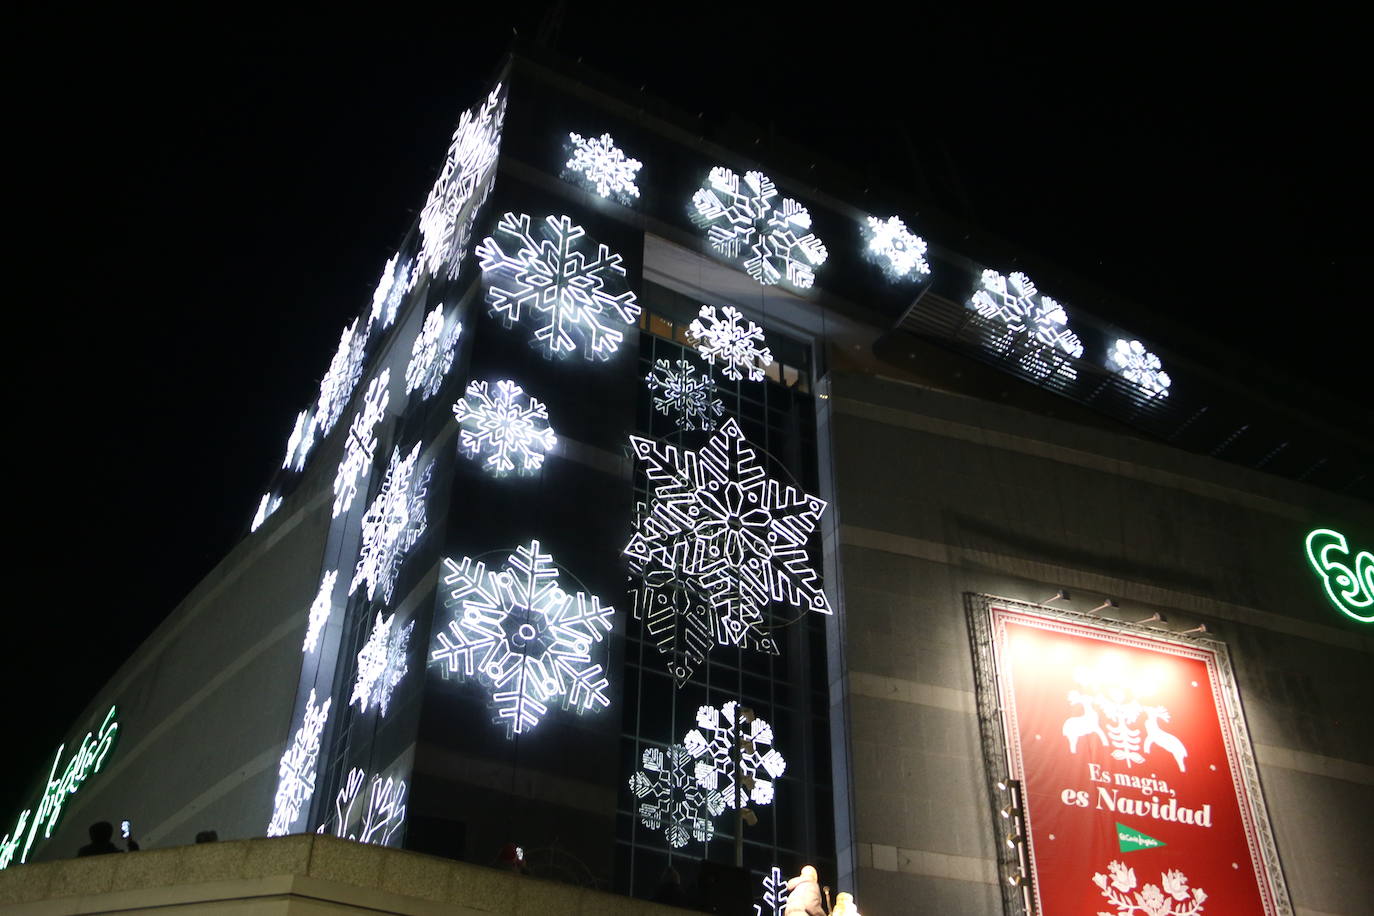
{"points": [[85, 762], [1350, 588]]}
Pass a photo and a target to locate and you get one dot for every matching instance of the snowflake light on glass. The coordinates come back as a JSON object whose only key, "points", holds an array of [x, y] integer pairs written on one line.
{"points": [[392, 525], [296, 773], [397, 280], [1139, 365], [740, 216], [266, 506], [381, 664], [689, 394], [361, 443], [570, 293], [1036, 330], [345, 369], [670, 798], [737, 341], [601, 165], [901, 252], [446, 220], [711, 745], [431, 355], [383, 813], [723, 540], [524, 637], [320, 611], [1174, 899], [302, 438], [511, 428], [774, 894]]}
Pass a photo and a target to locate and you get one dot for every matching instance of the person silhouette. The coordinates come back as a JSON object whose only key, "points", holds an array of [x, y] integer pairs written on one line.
{"points": [[101, 832]]}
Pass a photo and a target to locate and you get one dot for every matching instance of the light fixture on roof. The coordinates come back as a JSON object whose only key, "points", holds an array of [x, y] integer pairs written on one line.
{"points": [[1200, 628], [1106, 603], [1156, 617], [1061, 595]]}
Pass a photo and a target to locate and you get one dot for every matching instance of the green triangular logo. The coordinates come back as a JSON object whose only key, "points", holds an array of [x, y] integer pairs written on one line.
{"points": [[1133, 840]]}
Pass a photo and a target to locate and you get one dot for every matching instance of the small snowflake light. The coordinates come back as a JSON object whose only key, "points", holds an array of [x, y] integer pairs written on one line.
{"points": [[574, 294], [689, 394], [449, 212], [383, 814], [296, 773], [431, 355], [362, 442], [774, 902], [397, 279], [741, 218], [381, 664], [601, 165], [1037, 327], [732, 338], [392, 525], [901, 252], [712, 745], [519, 633], [345, 369], [1136, 364], [320, 611], [300, 442], [266, 506], [671, 799], [509, 427]]}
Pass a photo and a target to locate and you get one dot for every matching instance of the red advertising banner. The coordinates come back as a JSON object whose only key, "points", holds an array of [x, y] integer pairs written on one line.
{"points": [[1135, 797]]}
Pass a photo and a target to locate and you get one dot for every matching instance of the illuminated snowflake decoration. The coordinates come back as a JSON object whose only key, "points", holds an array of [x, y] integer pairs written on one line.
{"points": [[1171, 897], [523, 637], [671, 799], [1037, 327], [446, 220], [711, 745], [320, 611], [1136, 364], [301, 440], [732, 338], [361, 443], [266, 506], [345, 369], [397, 280], [431, 356], [601, 165], [740, 216], [296, 772], [774, 894], [381, 664], [717, 541], [680, 389], [570, 293], [392, 525], [901, 252], [509, 427], [382, 814]]}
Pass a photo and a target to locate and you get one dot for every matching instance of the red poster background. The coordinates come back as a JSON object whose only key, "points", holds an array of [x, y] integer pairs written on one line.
{"points": [[1074, 837]]}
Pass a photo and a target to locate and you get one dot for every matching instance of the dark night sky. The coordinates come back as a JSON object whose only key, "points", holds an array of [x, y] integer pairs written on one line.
{"points": [[197, 209]]}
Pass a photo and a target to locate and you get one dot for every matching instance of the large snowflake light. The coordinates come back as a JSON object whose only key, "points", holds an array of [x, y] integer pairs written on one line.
{"points": [[717, 542], [266, 506], [689, 394], [446, 220], [712, 743], [361, 444], [570, 293], [1136, 364], [431, 355], [901, 252], [520, 634], [737, 341], [509, 427], [741, 216], [320, 611], [601, 165], [345, 369], [1037, 327], [774, 902], [671, 799], [301, 440], [296, 773], [392, 524], [381, 664], [382, 814]]}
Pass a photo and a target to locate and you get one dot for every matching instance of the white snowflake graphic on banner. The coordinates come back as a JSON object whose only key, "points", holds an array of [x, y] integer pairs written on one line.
{"points": [[266, 506], [361, 443], [509, 427], [1136, 364], [301, 440], [901, 252], [774, 901], [392, 525], [686, 393], [670, 798], [602, 166], [1171, 897], [1111, 695], [447, 218], [572, 294], [320, 611], [1037, 329], [519, 633], [397, 280], [712, 743], [345, 369], [431, 355], [723, 540], [296, 773], [741, 216], [382, 815], [381, 664], [732, 338]]}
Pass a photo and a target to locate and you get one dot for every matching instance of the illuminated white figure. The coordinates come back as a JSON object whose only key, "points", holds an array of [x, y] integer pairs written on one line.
{"points": [[1139, 365], [392, 524], [320, 611], [717, 542], [740, 216], [522, 636], [345, 369], [1171, 897], [1037, 328], [383, 813], [381, 664], [266, 506], [902, 252], [737, 341], [671, 799], [431, 355], [446, 220], [712, 745], [571, 293], [301, 440], [296, 773], [361, 443], [774, 894], [1117, 698], [510, 428], [686, 392], [603, 166]]}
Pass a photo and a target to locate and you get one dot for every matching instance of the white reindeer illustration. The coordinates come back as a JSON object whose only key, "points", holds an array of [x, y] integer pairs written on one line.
{"points": [[1076, 727], [1156, 735]]}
